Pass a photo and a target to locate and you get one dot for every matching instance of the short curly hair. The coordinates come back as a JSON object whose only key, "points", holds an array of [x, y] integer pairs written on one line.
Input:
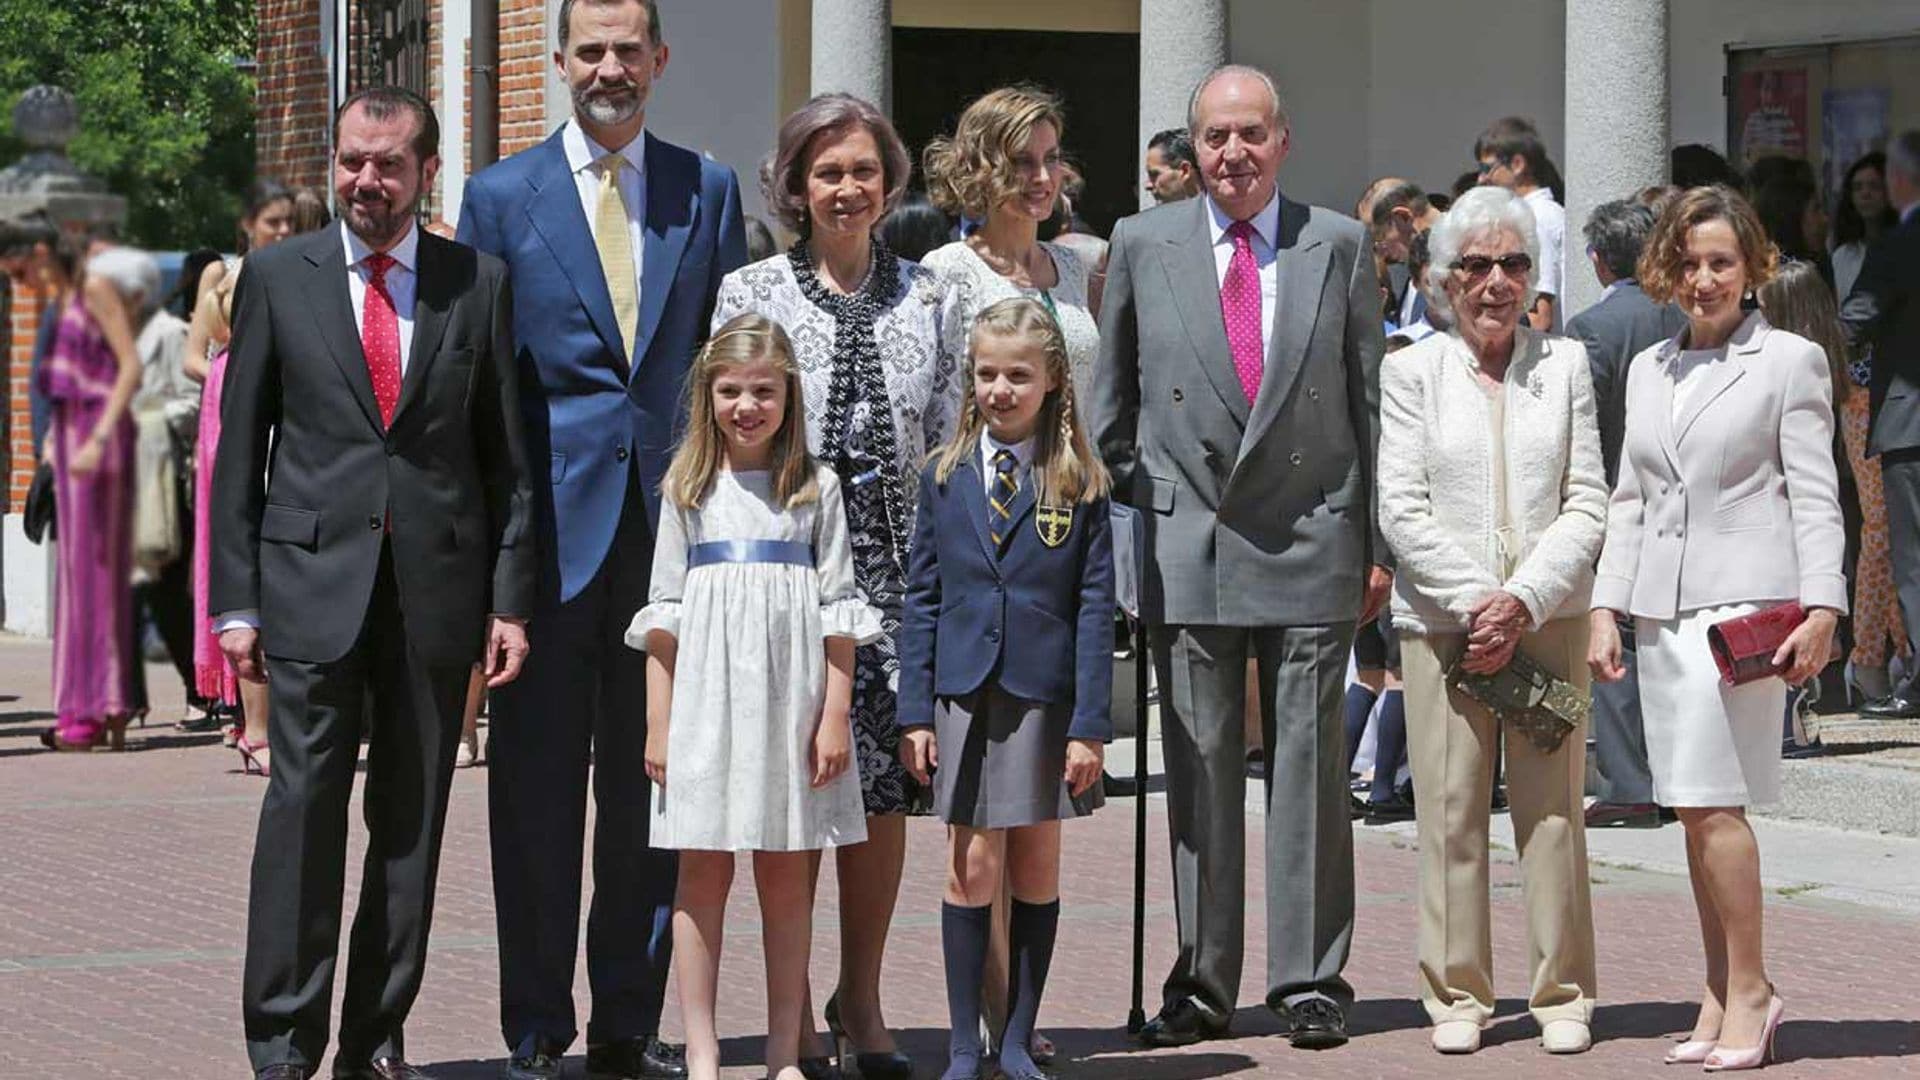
{"points": [[973, 171], [1660, 276], [783, 175]]}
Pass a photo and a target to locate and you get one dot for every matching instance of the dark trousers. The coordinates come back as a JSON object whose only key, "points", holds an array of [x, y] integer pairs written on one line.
{"points": [[1900, 476], [581, 698], [1619, 733], [1309, 836], [411, 712]]}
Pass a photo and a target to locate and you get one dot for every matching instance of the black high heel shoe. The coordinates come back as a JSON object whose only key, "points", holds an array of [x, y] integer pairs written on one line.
{"points": [[855, 1062]]}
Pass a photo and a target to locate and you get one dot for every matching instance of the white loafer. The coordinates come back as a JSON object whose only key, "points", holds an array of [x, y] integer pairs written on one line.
{"points": [[1456, 1036], [1566, 1037]]}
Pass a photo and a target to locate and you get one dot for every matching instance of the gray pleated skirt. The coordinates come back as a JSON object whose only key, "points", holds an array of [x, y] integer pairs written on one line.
{"points": [[1002, 759]]}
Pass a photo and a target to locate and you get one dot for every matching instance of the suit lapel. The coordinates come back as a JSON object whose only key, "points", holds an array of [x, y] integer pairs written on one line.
{"points": [[432, 300], [1719, 377], [1300, 272], [1194, 284], [671, 191], [554, 212], [973, 496], [333, 317]]}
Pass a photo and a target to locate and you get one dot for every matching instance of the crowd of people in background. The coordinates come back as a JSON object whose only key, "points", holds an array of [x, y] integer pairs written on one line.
{"points": [[1483, 480]]}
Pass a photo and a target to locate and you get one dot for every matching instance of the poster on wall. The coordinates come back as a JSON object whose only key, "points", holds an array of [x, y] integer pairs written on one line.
{"points": [[1852, 123], [1771, 114]]}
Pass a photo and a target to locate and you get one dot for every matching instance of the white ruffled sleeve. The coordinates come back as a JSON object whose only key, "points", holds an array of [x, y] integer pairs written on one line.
{"points": [[843, 611], [669, 579]]}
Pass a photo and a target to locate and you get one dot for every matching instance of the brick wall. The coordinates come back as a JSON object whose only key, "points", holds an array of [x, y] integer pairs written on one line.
{"points": [[22, 324], [290, 132], [525, 53]]}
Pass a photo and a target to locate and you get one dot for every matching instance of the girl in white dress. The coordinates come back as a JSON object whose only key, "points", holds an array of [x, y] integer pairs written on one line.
{"points": [[753, 610]]}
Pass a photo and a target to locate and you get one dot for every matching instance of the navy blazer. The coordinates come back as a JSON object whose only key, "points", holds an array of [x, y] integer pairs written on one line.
{"points": [[589, 406], [1036, 619]]}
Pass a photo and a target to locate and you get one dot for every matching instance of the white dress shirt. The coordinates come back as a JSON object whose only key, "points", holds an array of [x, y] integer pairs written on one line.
{"points": [[403, 284], [1022, 458], [1550, 221], [583, 157], [1266, 230]]}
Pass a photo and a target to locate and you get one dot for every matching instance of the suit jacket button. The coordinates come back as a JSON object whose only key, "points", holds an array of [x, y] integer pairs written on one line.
{"points": [[620, 454], [1313, 393], [1295, 457], [1178, 394], [375, 522], [993, 635]]}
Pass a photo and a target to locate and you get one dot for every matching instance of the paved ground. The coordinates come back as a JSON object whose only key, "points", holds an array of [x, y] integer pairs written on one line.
{"points": [[123, 881]]}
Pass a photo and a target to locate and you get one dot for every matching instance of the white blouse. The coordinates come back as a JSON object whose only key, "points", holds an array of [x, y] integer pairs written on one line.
{"points": [[978, 286]]}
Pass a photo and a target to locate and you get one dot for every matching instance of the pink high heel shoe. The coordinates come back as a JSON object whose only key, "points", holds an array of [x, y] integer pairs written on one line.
{"points": [[1690, 1052], [1725, 1060], [253, 756]]}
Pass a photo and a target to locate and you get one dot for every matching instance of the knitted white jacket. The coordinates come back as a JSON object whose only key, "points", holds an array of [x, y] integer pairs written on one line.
{"points": [[1436, 480]]}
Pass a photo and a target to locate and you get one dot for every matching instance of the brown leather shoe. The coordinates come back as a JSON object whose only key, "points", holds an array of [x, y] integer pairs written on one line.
{"points": [[393, 1068], [1611, 815]]}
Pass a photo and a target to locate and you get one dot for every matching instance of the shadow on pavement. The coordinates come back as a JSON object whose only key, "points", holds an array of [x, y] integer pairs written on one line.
{"points": [[1815, 1039]]}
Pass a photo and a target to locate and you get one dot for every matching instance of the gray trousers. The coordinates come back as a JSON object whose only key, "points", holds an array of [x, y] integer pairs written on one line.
{"points": [[1900, 478], [1309, 837], [1619, 734]]}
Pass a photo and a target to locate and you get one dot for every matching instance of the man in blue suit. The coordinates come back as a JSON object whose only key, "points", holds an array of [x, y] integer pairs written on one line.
{"points": [[616, 243]]}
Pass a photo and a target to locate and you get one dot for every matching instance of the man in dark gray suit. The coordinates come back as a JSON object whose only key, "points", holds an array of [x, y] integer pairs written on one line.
{"points": [[1614, 331], [1883, 314], [1237, 404]]}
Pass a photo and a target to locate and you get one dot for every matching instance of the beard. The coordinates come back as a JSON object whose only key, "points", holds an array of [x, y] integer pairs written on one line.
{"points": [[609, 105], [379, 220]]}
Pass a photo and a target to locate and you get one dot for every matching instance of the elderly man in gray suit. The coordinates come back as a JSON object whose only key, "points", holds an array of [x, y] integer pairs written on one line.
{"points": [[1236, 402]]}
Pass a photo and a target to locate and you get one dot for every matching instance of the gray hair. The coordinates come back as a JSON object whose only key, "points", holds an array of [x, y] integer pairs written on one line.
{"points": [[565, 18], [1903, 152], [1482, 210], [133, 274], [1616, 231], [1279, 113]]}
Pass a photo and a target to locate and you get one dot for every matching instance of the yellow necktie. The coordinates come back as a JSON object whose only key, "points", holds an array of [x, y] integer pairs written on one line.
{"points": [[616, 250]]}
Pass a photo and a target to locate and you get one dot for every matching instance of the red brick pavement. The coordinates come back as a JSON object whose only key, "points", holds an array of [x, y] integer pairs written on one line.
{"points": [[125, 881]]}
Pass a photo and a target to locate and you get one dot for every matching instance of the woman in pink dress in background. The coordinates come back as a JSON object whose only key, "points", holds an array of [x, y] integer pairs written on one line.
{"points": [[88, 379], [268, 220]]}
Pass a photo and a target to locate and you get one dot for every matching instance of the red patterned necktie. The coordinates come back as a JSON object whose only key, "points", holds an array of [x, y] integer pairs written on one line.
{"points": [[380, 337], [1240, 306]]}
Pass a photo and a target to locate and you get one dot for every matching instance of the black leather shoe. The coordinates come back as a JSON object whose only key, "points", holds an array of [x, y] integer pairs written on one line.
{"points": [[1316, 1024], [640, 1058], [394, 1069], [281, 1072], [1892, 707], [818, 1068], [539, 1065], [1180, 1023], [1387, 811]]}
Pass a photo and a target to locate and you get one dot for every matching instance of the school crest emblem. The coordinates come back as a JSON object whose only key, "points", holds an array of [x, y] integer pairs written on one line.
{"points": [[1053, 524]]}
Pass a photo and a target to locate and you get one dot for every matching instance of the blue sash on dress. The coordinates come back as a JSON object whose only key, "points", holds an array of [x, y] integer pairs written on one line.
{"points": [[792, 552]]}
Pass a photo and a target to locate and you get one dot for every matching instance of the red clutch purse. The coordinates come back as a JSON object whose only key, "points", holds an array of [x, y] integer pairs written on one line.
{"points": [[1743, 648]]}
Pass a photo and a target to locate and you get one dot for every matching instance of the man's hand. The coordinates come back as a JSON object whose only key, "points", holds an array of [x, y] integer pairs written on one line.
{"points": [[241, 644], [1379, 587], [506, 649]]}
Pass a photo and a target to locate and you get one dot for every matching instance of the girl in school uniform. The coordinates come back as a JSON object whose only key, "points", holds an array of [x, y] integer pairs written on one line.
{"points": [[753, 611], [1006, 657]]}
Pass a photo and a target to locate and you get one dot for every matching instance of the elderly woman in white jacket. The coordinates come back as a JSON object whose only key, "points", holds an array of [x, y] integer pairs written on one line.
{"points": [[1493, 499]]}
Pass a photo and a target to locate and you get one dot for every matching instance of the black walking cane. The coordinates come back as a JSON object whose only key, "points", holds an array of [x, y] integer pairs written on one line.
{"points": [[1128, 548]]}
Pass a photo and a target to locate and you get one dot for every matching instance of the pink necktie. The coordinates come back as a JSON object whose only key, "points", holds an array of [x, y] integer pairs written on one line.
{"points": [[1240, 306], [380, 337]]}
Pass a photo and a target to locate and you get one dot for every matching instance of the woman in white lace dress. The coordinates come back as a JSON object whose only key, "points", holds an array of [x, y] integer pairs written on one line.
{"points": [[1002, 168], [881, 392]]}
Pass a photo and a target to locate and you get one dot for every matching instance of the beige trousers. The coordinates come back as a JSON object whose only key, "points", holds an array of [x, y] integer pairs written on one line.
{"points": [[1450, 744]]}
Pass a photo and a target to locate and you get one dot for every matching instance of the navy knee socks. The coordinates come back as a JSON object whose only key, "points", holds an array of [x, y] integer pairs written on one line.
{"points": [[1390, 750], [1358, 707], [1030, 941], [963, 941]]}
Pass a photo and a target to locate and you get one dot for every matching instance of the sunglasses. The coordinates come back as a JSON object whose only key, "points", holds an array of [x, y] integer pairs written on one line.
{"points": [[1479, 266]]}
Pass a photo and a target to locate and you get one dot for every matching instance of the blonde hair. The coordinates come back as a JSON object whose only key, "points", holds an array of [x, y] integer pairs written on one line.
{"points": [[744, 339], [1064, 469], [974, 171]]}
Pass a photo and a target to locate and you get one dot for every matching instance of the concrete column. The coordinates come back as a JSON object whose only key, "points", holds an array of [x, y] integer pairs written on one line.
{"points": [[853, 49], [1180, 41], [1617, 118]]}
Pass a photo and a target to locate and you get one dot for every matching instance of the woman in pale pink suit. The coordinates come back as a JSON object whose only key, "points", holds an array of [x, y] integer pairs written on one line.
{"points": [[269, 219], [88, 379]]}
